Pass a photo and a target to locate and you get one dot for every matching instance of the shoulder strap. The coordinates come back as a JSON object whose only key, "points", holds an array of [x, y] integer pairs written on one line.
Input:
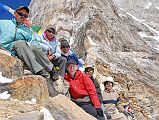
{"points": [[16, 27]]}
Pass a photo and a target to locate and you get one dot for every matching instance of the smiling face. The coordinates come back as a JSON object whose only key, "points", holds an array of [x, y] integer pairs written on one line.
{"points": [[49, 33], [108, 85], [21, 15], [71, 68], [65, 49]]}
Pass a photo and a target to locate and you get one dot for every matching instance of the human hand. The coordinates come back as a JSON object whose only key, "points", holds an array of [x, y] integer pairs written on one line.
{"points": [[50, 56], [108, 115], [99, 112]]}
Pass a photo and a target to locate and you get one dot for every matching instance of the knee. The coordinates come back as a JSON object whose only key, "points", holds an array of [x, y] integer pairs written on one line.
{"points": [[36, 48], [19, 43], [63, 59]]}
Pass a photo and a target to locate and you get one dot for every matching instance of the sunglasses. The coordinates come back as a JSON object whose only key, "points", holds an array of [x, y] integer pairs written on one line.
{"points": [[50, 31], [65, 46], [22, 14]]}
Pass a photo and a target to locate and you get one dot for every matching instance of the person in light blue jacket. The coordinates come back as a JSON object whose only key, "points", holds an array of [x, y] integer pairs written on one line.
{"points": [[51, 47], [18, 39]]}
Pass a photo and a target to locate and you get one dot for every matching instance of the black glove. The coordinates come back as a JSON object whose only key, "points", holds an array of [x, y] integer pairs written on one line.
{"points": [[108, 115], [126, 113], [100, 112]]}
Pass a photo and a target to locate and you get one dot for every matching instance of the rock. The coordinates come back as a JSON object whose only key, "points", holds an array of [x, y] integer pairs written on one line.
{"points": [[30, 87], [33, 115], [62, 108], [10, 67], [11, 109]]}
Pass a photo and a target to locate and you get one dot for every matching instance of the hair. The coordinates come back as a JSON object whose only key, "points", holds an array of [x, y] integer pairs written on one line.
{"points": [[88, 69], [107, 82]]}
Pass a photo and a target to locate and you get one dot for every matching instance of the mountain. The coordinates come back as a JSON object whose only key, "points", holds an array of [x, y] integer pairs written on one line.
{"points": [[119, 37]]}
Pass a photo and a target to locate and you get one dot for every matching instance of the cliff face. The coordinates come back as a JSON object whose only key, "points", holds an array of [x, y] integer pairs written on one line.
{"points": [[119, 37]]}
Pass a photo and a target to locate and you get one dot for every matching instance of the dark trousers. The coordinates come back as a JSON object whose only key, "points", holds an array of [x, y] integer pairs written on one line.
{"points": [[89, 108], [61, 62]]}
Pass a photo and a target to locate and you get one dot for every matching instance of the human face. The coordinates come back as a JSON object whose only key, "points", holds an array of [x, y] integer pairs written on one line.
{"points": [[21, 15], [71, 68], [65, 49], [49, 33], [89, 73], [108, 86]]}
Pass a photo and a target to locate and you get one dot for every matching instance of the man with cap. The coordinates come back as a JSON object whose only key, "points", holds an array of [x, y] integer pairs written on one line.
{"points": [[18, 39], [113, 110], [82, 90], [68, 53]]}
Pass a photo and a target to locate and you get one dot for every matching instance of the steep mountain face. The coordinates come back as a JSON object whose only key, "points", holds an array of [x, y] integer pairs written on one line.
{"points": [[144, 10], [119, 37]]}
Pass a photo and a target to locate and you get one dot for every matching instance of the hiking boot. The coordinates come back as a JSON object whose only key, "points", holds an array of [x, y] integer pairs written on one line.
{"points": [[54, 74], [43, 73]]}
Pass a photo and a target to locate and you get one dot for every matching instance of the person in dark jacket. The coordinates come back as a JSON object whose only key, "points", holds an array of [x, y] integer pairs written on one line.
{"points": [[82, 90], [89, 70], [69, 54]]}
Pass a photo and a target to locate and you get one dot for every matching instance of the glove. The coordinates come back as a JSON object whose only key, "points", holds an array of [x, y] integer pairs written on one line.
{"points": [[108, 115], [100, 112], [126, 113]]}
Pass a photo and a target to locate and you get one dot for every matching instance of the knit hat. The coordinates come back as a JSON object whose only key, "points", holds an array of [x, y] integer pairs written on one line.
{"points": [[23, 7], [64, 43], [89, 68], [71, 61], [108, 79], [51, 28]]}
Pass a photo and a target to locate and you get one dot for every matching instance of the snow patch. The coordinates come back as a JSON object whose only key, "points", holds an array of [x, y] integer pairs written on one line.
{"points": [[135, 18], [4, 79], [46, 114], [148, 6], [33, 101], [4, 95], [122, 15], [5, 52], [91, 41]]}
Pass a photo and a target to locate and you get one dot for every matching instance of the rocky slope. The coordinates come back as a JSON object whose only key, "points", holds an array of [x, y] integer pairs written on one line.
{"points": [[118, 37]]}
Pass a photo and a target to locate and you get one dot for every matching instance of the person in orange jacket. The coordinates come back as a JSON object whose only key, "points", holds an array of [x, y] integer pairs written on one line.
{"points": [[82, 90]]}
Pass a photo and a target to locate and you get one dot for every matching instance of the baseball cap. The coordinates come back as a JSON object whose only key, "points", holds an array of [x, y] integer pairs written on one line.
{"points": [[23, 7]]}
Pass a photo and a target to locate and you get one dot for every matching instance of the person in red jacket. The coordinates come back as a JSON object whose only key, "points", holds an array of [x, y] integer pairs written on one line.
{"points": [[82, 90]]}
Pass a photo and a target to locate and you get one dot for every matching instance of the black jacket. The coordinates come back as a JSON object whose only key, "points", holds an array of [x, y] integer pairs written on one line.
{"points": [[98, 90]]}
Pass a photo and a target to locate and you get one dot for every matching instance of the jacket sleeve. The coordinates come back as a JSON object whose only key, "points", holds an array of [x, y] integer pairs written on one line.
{"points": [[57, 52], [98, 90], [91, 91]]}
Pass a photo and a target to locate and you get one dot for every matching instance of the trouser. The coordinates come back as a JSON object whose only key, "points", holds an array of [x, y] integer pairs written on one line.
{"points": [[90, 109], [33, 56], [61, 62]]}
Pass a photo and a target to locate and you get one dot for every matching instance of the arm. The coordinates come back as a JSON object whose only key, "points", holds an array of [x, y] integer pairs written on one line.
{"points": [[91, 91], [57, 53]]}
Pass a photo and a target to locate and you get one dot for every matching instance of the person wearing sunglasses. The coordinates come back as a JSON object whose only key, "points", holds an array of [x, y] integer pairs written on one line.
{"points": [[18, 39], [69, 54], [51, 47]]}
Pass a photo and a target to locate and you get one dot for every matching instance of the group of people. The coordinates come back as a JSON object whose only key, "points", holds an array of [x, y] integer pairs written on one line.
{"points": [[44, 56]]}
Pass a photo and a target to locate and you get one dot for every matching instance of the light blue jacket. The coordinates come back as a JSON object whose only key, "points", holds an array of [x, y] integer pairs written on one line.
{"points": [[7, 34], [53, 46]]}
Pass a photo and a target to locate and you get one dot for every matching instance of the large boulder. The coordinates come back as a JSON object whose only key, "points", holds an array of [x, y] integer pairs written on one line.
{"points": [[10, 67], [62, 108], [29, 88]]}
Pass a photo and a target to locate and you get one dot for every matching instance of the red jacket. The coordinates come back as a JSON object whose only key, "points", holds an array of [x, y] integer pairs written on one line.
{"points": [[80, 86]]}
